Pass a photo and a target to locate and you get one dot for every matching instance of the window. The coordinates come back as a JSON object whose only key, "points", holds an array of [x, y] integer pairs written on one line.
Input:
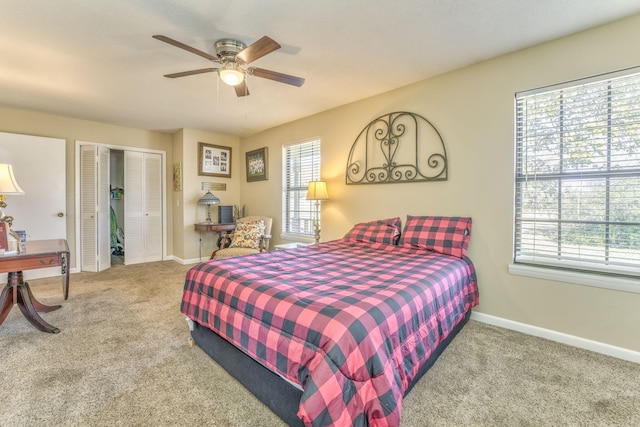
{"points": [[300, 164], [578, 175]]}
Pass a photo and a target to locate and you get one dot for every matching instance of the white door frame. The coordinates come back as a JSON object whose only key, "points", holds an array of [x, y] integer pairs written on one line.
{"points": [[163, 154]]}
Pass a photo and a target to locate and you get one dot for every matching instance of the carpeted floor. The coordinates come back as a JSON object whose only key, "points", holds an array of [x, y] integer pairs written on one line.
{"points": [[122, 358]]}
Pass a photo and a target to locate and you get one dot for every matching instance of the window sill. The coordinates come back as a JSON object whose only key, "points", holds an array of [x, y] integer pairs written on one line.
{"points": [[596, 280], [298, 238]]}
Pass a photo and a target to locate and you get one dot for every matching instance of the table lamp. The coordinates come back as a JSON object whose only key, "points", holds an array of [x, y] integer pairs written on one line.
{"points": [[8, 187], [209, 199], [317, 190]]}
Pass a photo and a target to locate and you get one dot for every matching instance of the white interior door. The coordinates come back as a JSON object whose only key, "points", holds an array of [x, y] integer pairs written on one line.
{"points": [[39, 166]]}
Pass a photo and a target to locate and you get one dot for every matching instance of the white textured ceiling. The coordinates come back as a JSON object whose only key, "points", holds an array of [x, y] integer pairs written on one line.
{"points": [[96, 59]]}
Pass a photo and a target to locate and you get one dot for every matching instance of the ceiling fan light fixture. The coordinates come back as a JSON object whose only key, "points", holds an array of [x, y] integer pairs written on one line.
{"points": [[235, 58], [230, 74]]}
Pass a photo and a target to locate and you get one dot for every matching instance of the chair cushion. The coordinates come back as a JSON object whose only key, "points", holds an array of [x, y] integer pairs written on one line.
{"points": [[231, 252], [247, 235]]}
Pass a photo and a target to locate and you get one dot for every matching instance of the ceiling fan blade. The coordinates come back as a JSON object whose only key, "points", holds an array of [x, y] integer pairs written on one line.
{"points": [[258, 49], [279, 77], [186, 47], [242, 89], [190, 73]]}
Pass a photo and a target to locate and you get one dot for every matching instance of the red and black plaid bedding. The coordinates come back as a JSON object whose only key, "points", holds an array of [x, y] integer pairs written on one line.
{"points": [[350, 322]]}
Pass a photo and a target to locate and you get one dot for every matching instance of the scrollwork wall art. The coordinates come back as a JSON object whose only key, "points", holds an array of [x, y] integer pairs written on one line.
{"points": [[397, 147]]}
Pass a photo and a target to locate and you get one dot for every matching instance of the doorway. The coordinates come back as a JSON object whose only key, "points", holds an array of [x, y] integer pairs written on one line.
{"points": [[125, 221], [116, 191], [41, 211]]}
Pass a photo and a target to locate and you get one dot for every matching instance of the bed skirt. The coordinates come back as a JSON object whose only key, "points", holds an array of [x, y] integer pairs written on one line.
{"points": [[276, 393]]}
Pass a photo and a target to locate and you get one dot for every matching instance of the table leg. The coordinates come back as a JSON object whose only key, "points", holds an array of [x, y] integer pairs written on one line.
{"points": [[37, 304], [6, 302], [18, 292], [28, 308], [65, 274]]}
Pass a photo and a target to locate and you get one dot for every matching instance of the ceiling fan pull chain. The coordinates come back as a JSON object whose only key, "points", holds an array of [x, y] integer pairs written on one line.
{"points": [[217, 97], [246, 113]]}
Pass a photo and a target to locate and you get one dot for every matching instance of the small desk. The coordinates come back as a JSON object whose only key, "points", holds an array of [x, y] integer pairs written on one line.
{"points": [[212, 226], [36, 254]]}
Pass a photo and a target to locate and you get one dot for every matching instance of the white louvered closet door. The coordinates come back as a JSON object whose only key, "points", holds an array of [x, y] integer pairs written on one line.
{"points": [[133, 207], [104, 210], [88, 203], [153, 207], [94, 208], [142, 207]]}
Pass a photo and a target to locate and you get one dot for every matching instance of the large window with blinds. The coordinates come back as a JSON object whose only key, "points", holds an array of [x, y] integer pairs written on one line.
{"points": [[577, 201], [300, 164]]}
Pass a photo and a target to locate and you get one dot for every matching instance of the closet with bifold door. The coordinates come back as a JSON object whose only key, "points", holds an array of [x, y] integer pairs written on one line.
{"points": [[121, 206], [142, 207]]}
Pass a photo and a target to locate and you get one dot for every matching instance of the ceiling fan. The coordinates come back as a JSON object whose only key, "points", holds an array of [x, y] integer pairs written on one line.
{"points": [[234, 58]]}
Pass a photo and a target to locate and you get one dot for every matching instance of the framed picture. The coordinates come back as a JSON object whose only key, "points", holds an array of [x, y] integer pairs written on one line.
{"points": [[177, 176], [257, 166], [214, 160]]}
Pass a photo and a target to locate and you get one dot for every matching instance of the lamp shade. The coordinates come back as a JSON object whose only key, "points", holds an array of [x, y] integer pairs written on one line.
{"points": [[317, 190], [8, 184], [209, 199]]}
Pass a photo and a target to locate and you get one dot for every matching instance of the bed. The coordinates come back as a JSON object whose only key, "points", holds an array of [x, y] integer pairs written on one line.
{"points": [[337, 333]]}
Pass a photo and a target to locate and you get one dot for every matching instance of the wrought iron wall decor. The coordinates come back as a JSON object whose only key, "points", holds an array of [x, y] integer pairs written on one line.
{"points": [[397, 147]]}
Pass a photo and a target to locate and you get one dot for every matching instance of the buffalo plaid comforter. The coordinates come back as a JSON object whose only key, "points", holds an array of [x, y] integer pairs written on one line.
{"points": [[351, 323]]}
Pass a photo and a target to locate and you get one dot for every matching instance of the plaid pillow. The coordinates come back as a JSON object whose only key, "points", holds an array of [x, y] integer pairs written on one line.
{"points": [[442, 234], [385, 231], [247, 235]]}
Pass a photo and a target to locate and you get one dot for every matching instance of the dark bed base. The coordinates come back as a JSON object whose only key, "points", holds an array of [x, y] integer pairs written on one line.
{"points": [[279, 396]]}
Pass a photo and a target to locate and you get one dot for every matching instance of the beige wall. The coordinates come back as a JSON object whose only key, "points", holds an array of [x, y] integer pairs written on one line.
{"points": [[473, 110], [176, 198], [34, 123], [186, 142], [182, 209]]}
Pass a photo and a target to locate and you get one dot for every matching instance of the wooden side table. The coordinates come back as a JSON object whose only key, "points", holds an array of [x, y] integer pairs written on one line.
{"points": [[204, 227], [36, 254]]}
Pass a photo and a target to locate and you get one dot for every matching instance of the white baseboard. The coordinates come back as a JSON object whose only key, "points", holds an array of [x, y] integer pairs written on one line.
{"points": [[596, 346], [188, 261]]}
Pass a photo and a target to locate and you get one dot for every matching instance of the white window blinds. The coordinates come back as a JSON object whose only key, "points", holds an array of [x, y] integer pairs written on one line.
{"points": [[577, 199], [301, 164]]}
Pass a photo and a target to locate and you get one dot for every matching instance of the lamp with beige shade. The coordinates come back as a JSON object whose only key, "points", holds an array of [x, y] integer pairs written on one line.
{"points": [[9, 187]]}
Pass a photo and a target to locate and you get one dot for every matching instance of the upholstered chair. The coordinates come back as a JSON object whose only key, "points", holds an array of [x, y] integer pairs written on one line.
{"points": [[251, 236]]}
